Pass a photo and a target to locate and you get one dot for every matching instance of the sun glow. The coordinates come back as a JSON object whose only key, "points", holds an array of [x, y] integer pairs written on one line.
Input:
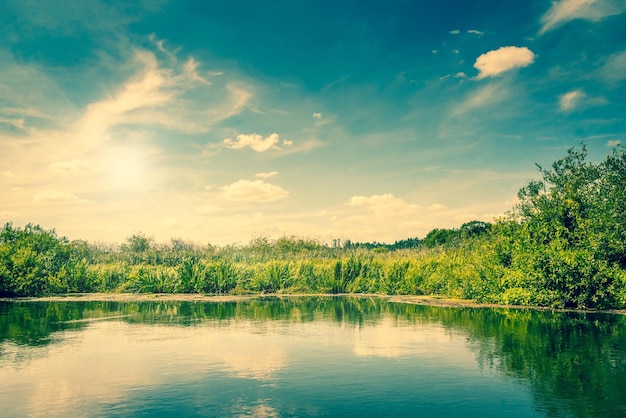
{"points": [[124, 167]]}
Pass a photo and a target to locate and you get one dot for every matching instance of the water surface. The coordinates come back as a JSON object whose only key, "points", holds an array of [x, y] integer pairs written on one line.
{"points": [[307, 356]]}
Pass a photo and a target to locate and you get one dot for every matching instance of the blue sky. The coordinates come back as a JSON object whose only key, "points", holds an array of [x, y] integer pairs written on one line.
{"points": [[221, 121]]}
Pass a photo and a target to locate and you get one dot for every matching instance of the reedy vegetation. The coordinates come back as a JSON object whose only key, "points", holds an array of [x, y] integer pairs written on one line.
{"points": [[563, 245]]}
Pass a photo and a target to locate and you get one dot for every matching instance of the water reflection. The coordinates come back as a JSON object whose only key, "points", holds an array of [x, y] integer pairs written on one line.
{"points": [[307, 356]]}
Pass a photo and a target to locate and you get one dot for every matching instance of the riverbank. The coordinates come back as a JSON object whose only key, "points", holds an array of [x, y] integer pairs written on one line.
{"points": [[432, 300]]}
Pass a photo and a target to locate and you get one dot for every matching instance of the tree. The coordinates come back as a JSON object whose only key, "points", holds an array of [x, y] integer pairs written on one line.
{"points": [[139, 248], [441, 237], [33, 261], [572, 233], [138, 243], [474, 229]]}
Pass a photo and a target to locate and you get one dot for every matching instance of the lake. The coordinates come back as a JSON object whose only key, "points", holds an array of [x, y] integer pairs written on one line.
{"points": [[307, 356]]}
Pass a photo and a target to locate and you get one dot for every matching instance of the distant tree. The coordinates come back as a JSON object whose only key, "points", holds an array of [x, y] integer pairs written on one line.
{"points": [[180, 245], [474, 228], [406, 243], [438, 237], [138, 243], [139, 248]]}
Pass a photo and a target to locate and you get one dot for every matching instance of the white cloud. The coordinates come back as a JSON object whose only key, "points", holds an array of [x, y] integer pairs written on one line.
{"points": [[159, 97], [267, 175], [150, 89], [16, 123], [564, 11], [475, 32], [208, 209], [615, 67], [254, 141], [56, 196], [160, 44], [324, 119], [303, 146], [287, 143], [486, 95], [506, 58], [239, 96], [571, 100], [614, 143], [455, 32], [27, 111], [254, 191], [191, 67], [69, 166], [383, 203], [460, 74], [436, 206]]}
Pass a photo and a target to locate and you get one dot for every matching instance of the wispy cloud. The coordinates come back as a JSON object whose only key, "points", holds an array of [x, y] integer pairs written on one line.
{"points": [[78, 15], [323, 119], [208, 210], [30, 94], [506, 58], [579, 100], [159, 96], [56, 196], [160, 45], [253, 191], [69, 166], [614, 143], [265, 176], [16, 123], [135, 102], [569, 101], [383, 203], [614, 69], [254, 141], [564, 11], [484, 96], [302, 146]]}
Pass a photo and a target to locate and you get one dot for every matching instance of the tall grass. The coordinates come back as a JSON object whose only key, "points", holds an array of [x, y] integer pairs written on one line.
{"points": [[482, 268]]}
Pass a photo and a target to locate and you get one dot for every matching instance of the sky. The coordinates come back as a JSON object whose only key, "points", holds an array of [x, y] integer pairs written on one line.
{"points": [[224, 121]]}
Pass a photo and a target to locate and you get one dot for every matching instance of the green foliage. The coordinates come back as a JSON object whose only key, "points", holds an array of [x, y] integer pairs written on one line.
{"points": [[568, 233], [563, 245], [438, 237], [33, 261]]}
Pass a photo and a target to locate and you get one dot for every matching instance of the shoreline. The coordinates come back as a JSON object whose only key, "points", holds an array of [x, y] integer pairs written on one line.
{"points": [[427, 300]]}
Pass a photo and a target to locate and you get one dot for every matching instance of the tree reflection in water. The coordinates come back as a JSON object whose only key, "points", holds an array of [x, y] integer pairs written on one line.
{"points": [[574, 363]]}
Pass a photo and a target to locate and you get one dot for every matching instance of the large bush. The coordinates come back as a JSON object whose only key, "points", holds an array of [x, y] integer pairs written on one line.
{"points": [[33, 261], [569, 237]]}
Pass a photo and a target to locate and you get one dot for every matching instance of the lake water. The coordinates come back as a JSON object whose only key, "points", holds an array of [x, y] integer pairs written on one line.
{"points": [[307, 356]]}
